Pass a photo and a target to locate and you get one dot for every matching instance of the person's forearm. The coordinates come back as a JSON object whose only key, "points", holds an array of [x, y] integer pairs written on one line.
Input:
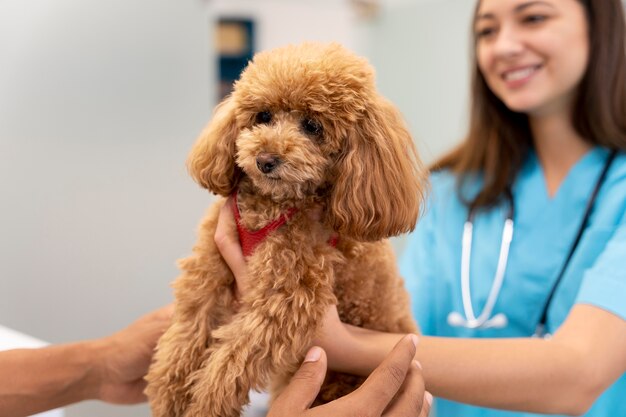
{"points": [[531, 375], [360, 351], [34, 380]]}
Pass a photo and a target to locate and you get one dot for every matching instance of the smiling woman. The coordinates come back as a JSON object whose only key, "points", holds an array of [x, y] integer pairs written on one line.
{"points": [[532, 55], [544, 160], [539, 66]]}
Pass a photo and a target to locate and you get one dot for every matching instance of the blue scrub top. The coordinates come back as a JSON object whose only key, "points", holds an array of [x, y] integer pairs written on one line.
{"points": [[545, 228]]}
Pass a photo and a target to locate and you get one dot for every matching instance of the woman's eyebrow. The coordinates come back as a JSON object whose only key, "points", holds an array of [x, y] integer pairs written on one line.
{"points": [[519, 8], [526, 5]]}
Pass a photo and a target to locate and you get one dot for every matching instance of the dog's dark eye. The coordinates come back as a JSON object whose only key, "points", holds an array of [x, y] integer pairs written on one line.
{"points": [[312, 127], [263, 117]]}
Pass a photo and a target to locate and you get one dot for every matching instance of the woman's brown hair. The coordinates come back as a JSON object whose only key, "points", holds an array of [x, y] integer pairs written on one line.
{"points": [[499, 139]]}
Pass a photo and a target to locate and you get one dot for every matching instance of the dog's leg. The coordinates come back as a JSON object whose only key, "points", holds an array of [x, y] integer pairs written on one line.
{"points": [[203, 302], [270, 334]]}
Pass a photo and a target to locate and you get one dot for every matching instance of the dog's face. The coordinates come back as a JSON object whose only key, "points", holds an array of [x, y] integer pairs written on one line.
{"points": [[307, 117], [295, 108], [285, 152]]}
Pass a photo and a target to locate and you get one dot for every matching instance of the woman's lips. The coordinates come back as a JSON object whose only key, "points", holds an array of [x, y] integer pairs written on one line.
{"points": [[517, 77]]}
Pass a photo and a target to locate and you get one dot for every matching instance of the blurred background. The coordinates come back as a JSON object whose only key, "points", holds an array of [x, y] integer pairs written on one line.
{"points": [[100, 101]]}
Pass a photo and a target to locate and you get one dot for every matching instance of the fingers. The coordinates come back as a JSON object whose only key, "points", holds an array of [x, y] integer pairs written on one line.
{"points": [[304, 385], [383, 384], [227, 241], [411, 399]]}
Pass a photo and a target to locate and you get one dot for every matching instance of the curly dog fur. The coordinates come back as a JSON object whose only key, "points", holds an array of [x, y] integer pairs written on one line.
{"points": [[304, 126]]}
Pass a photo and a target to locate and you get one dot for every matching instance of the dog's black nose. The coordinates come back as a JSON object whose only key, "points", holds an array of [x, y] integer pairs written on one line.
{"points": [[266, 162]]}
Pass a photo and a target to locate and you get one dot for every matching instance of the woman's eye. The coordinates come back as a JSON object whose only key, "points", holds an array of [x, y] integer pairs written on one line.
{"points": [[312, 127], [534, 19], [484, 32], [263, 117]]}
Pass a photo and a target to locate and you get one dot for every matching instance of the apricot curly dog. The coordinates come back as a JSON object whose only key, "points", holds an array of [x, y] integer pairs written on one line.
{"points": [[304, 126]]}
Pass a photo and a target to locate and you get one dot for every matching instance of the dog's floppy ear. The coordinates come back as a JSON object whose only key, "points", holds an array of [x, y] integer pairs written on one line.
{"points": [[379, 179], [212, 159]]}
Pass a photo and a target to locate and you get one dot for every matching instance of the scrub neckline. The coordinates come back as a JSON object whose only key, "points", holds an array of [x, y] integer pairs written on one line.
{"points": [[591, 160]]}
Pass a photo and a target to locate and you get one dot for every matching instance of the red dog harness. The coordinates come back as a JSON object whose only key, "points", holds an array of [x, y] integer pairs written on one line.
{"points": [[250, 239]]}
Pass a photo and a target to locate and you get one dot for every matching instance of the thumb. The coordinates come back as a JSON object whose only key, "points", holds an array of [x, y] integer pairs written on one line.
{"points": [[304, 385]]}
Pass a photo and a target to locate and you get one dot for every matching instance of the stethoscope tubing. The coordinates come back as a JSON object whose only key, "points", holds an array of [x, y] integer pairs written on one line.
{"points": [[485, 320], [507, 237]]}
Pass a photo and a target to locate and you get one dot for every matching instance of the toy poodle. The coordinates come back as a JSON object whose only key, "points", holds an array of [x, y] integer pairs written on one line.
{"points": [[303, 127]]}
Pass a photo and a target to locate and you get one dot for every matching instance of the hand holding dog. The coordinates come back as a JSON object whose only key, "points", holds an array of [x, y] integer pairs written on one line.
{"points": [[394, 389], [127, 355]]}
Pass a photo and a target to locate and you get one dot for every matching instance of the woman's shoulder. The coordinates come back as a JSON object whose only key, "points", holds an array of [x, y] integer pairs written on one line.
{"points": [[615, 182], [443, 179], [446, 184], [614, 195], [444, 201], [443, 186], [618, 170]]}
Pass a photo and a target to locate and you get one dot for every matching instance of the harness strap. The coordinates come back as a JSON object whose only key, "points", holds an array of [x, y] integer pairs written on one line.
{"points": [[250, 239]]}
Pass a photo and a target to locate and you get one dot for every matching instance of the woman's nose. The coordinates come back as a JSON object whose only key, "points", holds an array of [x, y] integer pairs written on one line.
{"points": [[508, 42]]}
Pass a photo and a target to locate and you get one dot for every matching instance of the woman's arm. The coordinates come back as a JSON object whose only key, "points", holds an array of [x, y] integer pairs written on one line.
{"points": [[563, 375], [110, 369]]}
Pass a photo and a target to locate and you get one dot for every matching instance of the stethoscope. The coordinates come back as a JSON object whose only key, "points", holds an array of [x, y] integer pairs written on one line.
{"points": [[500, 320], [484, 320]]}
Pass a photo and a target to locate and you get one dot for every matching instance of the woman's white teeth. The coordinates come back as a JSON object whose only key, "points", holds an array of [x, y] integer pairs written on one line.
{"points": [[519, 74]]}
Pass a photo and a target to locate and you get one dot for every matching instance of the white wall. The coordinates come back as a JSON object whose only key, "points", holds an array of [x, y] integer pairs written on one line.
{"points": [[420, 50], [100, 102]]}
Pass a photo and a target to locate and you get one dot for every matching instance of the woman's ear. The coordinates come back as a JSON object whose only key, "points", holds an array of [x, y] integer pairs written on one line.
{"points": [[211, 162], [379, 180]]}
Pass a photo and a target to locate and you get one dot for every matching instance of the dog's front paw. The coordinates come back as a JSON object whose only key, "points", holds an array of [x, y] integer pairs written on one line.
{"points": [[221, 388]]}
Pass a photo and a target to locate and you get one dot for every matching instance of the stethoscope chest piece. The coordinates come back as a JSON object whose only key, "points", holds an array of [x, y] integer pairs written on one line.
{"points": [[498, 321]]}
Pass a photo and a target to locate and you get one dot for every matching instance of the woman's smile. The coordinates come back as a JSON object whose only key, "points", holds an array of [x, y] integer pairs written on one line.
{"points": [[519, 76]]}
